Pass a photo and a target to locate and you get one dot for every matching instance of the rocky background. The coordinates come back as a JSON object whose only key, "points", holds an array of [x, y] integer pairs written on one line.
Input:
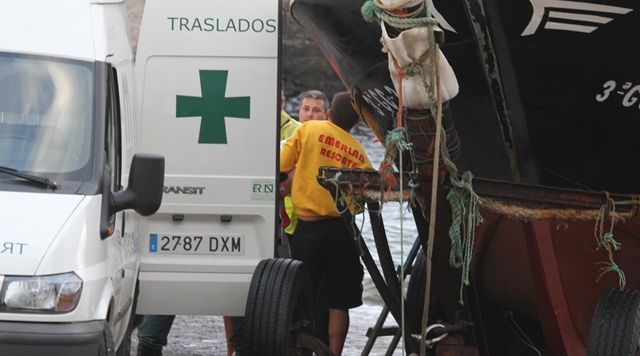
{"points": [[303, 64]]}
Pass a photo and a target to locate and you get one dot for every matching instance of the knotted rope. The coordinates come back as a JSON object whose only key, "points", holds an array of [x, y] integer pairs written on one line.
{"points": [[466, 216], [606, 240]]}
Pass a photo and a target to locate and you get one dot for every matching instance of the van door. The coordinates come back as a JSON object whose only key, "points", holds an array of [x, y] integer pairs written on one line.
{"points": [[207, 76]]}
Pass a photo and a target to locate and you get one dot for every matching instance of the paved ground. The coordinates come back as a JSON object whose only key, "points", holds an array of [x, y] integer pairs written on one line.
{"points": [[204, 335]]}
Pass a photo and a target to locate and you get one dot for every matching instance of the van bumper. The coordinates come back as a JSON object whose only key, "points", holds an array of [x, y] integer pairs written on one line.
{"points": [[24, 339]]}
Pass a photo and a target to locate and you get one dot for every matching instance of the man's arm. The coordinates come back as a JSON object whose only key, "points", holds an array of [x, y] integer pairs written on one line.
{"points": [[290, 152]]}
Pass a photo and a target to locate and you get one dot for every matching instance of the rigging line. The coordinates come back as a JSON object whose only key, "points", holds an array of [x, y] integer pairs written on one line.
{"points": [[434, 200], [404, 351]]}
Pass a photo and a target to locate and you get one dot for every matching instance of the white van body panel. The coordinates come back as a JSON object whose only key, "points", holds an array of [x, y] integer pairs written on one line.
{"points": [[63, 229], [30, 224], [207, 79], [34, 26], [52, 234], [59, 233]]}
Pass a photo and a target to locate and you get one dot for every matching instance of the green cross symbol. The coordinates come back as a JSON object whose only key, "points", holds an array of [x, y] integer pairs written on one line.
{"points": [[213, 106]]}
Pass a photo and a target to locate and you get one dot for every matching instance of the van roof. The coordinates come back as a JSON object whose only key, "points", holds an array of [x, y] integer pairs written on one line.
{"points": [[56, 28]]}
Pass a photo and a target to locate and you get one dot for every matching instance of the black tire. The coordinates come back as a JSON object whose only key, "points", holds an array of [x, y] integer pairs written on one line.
{"points": [[279, 305], [415, 294], [106, 348], [615, 326]]}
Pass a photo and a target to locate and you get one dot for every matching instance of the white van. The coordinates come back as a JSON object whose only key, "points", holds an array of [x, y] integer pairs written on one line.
{"points": [[75, 263], [208, 89]]}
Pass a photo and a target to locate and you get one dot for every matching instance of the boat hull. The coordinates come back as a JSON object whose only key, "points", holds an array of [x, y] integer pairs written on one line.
{"points": [[545, 100]]}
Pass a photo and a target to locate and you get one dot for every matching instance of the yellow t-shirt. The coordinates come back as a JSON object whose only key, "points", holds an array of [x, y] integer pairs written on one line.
{"points": [[315, 144], [287, 125]]}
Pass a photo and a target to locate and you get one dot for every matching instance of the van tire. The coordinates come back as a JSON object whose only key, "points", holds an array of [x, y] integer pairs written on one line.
{"points": [[615, 326], [106, 348], [279, 305]]}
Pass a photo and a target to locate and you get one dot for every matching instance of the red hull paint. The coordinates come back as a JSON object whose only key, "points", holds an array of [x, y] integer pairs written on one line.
{"points": [[548, 270]]}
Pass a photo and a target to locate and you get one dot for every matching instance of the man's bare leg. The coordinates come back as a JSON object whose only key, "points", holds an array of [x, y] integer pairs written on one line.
{"points": [[228, 331], [338, 327]]}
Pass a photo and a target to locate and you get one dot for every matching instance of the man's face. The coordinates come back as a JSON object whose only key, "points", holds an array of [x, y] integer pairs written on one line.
{"points": [[311, 109]]}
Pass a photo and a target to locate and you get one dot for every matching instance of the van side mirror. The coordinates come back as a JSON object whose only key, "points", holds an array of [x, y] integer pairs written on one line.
{"points": [[146, 181]]}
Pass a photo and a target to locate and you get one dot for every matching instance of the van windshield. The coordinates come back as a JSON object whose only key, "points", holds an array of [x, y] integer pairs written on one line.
{"points": [[46, 115]]}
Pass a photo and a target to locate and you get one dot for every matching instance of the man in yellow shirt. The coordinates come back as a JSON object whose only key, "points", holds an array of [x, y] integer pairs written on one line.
{"points": [[321, 239], [313, 106]]}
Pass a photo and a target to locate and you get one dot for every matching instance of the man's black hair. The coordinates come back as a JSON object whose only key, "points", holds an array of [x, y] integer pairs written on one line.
{"points": [[342, 113]]}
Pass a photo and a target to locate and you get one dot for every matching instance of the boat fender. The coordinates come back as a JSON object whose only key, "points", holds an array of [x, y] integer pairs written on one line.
{"points": [[409, 51]]}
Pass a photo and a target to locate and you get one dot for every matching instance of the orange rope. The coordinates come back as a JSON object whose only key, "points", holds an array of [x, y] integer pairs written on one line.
{"points": [[400, 101]]}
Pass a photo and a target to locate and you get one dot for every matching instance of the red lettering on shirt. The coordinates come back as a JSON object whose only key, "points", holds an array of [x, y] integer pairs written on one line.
{"points": [[332, 142]]}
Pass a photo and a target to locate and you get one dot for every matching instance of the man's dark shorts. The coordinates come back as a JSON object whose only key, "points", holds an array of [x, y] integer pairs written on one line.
{"points": [[327, 248]]}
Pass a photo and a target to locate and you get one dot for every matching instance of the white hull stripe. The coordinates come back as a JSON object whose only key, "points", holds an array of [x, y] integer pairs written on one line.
{"points": [[569, 27], [540, 7], [579, 17]]}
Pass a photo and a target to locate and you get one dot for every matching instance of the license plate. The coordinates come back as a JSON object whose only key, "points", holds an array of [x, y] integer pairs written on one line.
{"points": [[223, 244]]}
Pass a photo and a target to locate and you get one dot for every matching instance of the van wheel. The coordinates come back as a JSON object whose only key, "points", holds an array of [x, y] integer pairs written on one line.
{"points": [[106, 349], [615, 326], [279, 308]]}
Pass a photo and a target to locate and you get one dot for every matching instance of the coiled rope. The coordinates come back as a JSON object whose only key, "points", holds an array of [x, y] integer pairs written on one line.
{"points": [[372, 12]]}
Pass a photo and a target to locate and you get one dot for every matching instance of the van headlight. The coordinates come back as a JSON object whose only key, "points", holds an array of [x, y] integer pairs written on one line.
{"points": [[58, 293]]}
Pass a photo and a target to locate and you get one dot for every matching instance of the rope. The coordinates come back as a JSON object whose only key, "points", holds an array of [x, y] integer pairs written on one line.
{"points": [[400, 99], [335, 181], [395, 143], [402, 292], [635, 207], [516, 210], [372, 13], [339, 197], [434, 201], [357, 236], [607, 241], [464, 204]]}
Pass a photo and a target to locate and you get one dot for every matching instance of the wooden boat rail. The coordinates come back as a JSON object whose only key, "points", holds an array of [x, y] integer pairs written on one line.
{"points": [[523, 201]]}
